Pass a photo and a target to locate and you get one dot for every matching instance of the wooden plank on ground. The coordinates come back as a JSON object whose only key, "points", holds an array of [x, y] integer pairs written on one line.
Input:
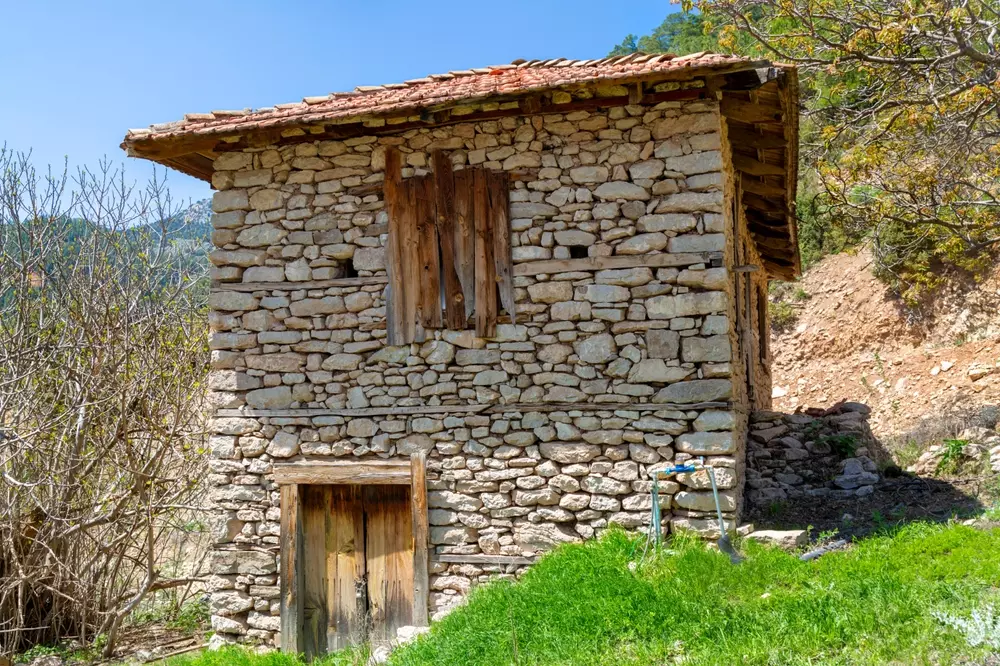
{"points": [[373, 472], [345, 557], [395, 203], [486, 287], [421, 529], [444, 190], [291, 573], [428, 253], [499, 191], [465, 239]]}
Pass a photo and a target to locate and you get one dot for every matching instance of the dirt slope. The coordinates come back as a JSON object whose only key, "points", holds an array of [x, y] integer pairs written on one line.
{"points": [[852, 340]]}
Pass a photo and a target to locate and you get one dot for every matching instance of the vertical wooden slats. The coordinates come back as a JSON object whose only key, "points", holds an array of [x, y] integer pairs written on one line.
{"points": [[409, 264], [460, 219], [486, 286], [444, 189], [291, 570], [418, 505], [389, 542], [345, 556], [395, 203], [465, 239], [429, 255], [499, 205], [315, 500]]}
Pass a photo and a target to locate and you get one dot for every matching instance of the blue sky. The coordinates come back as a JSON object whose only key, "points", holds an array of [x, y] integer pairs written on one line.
{"points": [[76, 74]]}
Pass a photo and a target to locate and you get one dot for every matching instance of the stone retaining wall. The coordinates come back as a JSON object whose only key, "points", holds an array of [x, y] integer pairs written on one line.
{"points": [[816, 453]]}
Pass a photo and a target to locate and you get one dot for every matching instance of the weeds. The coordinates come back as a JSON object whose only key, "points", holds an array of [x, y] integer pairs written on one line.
{"points": [[982, 627], [844, 446], [783, 315], [951, 459]]}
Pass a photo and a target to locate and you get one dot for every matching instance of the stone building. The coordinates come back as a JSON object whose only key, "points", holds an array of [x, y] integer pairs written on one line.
{"points": [[458, 320]]}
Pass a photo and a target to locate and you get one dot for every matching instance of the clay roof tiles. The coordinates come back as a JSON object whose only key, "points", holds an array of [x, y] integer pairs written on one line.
{"points": [[451, 87]]}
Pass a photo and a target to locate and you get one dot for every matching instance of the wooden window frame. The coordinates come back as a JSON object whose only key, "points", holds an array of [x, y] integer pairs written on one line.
{"points": [[289, 476]]}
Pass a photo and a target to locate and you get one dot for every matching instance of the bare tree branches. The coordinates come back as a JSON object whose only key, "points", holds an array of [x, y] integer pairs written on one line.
{"points": [[103, 356]]}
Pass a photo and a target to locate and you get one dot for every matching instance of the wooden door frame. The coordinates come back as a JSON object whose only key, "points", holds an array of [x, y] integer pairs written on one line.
{"points": [[289, 476]]}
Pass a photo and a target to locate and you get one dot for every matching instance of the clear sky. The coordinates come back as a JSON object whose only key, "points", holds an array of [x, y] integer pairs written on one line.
{"points": [[76, 75]]}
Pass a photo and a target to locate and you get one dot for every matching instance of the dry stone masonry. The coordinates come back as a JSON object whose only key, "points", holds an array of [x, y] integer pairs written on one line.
{"points": [[616, 360], [815, 453], [630, 211]]}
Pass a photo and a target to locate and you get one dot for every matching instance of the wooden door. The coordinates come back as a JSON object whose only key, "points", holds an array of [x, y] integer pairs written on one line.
{"points": [[389, 552], [357, 565], [345, 566]]}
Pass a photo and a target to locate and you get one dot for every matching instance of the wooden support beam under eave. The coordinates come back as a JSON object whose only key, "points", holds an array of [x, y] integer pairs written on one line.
{"points": [[748, 112], [755, 167]]}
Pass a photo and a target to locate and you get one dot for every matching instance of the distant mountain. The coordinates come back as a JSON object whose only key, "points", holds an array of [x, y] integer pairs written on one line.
{"points": [[184, 253], [192, 223]]}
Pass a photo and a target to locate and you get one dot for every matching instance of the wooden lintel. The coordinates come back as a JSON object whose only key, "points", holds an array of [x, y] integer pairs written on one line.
{"points": [[604, 263], [366, 472], [755, 167], [749, 268], [470, 409], [308, 284], [358, 412]]}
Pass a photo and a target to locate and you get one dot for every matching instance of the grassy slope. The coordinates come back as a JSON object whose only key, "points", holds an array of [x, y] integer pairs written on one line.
{"points": [[583, 605], [870, 605]]}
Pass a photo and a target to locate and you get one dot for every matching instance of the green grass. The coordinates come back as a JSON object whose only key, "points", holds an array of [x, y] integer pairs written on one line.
{"points": [[233, 656], [870, 605], [584, 605]]}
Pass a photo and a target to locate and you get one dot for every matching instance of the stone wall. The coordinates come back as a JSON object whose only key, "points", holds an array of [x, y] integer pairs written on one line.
{"points": [[816, 453], [587, 391]]}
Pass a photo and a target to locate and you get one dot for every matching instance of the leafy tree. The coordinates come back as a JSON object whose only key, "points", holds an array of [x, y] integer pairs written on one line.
{"points": [[901, 122], [680, 33], [903, 127]]}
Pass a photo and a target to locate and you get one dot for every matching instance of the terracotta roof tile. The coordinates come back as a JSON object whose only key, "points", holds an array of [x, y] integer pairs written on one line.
{"points": [[517, 77]]}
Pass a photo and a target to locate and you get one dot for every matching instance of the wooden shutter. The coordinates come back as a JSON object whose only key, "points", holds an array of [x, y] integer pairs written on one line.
{"points": [[449, 234]]}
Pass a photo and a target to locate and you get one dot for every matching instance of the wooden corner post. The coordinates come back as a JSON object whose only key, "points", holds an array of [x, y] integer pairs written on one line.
{"points": [[291, 570], [418, 504]]}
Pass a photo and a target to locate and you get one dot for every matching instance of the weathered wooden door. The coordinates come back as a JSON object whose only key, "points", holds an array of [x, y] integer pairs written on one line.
{"points": [[357, 555], [389, 550]]}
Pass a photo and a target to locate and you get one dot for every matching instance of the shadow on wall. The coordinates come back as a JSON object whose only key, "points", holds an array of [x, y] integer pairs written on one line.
{"points": [[823, 468]]}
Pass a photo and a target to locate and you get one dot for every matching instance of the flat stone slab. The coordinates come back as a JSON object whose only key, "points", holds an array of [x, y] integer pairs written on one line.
{"points": [[782, 538]]}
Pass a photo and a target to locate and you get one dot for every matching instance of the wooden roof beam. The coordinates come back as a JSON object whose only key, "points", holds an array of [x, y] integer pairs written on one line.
{"points": [[755, 167], [748, 112]]}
